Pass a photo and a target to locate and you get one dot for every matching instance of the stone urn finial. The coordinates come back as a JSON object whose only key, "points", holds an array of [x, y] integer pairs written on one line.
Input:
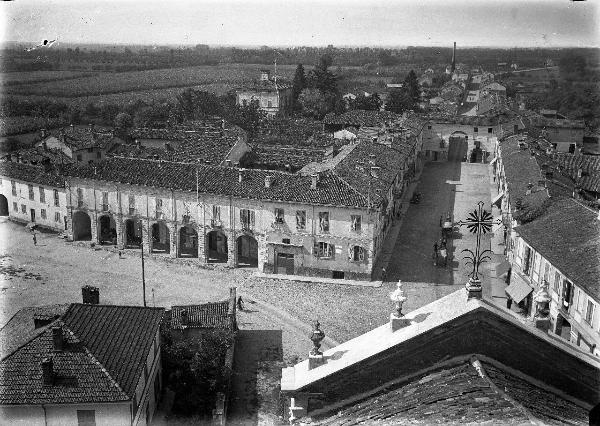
{"points": [[398, 297], [317, 337]]}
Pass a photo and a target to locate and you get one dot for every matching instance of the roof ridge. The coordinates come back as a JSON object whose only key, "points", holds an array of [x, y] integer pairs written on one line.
{"points": [[476, 364], [95, 360], [36, 333], [366, 199], [116, 306]]}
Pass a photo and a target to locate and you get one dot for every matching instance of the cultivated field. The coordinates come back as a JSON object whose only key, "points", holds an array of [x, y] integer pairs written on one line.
{"points": [[17, 78], [137, 81]]}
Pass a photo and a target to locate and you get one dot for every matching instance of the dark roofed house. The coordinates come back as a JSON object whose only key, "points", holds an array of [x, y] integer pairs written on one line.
{"points": [[273, 96], [561, 250], [456, 360], [95, 364]]}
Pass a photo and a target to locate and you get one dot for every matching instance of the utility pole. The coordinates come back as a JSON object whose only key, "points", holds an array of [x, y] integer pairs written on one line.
{"points": [[143, 272]]}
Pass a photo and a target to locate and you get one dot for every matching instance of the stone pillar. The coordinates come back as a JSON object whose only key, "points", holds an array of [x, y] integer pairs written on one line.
{"points": [[231, 249], [120, 228], [201, 244], [145, 236], [474, 289], [69, 224], [263, 255], [172, 239], [94, 226]]}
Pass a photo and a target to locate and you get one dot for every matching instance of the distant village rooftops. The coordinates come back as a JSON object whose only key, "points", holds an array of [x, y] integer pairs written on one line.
{"points": [[32, 174], [568, 235], [360, 118]]}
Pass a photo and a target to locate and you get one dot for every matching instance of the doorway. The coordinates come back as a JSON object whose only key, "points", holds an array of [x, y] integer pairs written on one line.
{"points": [[285, 264]]}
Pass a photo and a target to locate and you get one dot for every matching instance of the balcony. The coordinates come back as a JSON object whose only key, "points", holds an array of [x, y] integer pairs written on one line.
{"points": [[216, 223], [80, 203], [246, 225], [132, 211], [105, 207], [159, 215]]}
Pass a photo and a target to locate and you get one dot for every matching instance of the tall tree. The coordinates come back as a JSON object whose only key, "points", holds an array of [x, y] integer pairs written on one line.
{"points": [[411, 85], [368, 103], [399, 102], [299, 82]]}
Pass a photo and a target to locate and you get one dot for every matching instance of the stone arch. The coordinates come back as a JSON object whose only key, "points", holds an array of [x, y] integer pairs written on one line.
{"points": [[458, 146], [132, 233], [107, 230], [188, 241], [82, 226], [3, 206], [161, 241], [247, 251], [216, 244]]}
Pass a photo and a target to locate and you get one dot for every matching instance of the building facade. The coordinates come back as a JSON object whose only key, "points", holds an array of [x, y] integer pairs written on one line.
{"points": [[30, 194], [273, 98]]}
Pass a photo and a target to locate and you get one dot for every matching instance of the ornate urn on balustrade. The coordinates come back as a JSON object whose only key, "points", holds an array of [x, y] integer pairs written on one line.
{"points": [[397, 319]]}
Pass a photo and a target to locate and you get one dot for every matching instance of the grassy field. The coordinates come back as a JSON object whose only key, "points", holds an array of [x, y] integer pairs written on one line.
{"points": [[18, 78], [138, 81]]}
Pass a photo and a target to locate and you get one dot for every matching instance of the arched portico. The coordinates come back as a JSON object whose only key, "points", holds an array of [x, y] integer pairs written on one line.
{"points": [[188, 241], [3, 206], [132, 237], [161, 242], [217, 246], [107, 230], [247, 251], [82, 226]]}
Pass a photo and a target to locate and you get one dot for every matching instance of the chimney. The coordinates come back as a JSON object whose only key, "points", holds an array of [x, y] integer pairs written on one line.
{"points": [[314, 180], [44, 145], [268, 181], [58, 340], [265, 75], [47, 372], [579, 172], [240, 175], [223, 124], [90, 295], [91, 127], [228, 163], [72, 128], [375, 171], [43, 133]]}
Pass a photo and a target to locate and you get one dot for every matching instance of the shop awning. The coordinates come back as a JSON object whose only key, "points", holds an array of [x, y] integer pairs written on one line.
{"points": [[498, 199], [518, 288], [502, 268]]}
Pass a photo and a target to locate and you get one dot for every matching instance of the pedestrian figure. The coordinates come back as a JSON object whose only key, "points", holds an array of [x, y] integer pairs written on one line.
{"points": [[34, 239], [505, 233], [441, 221], [444, 254], [120, 255], [435, 253], [240, 303], [508, 303], [383, 275]]}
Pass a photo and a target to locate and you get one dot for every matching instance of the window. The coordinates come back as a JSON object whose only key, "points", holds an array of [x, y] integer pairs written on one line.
{"points": [[269, 104], [428, 127], [79, 157], [324, 221], [86, 418], [526, 260], [355, 223], [546, 271], [300, 219], [79, 197], [131, 205], [579, 299], [356, 254], [286, 241], [105, 201], [247, 218], [98, 154], [324, 250], [490, 130], [90, 150], [589, 313], [23, 208], [279, 216], [475, 129], [57, 217], [557, 282], [15, 207], [42, 195], [216, 212], [43, 213], [31, 197], [13, 184], [56, 200]]}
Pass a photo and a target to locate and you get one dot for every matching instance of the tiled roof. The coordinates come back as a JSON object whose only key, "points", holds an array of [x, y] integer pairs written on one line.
{"points": [[286, 187], [79, 377], [21, 327], [30, 174], [265, 86], [460, 394], [119, 337], [568, 235], [37, 155], [82, 138], [267, 156], [563, 123], [361, 118], [208, 315], [355, 168], [522, 169], [589, 165]]}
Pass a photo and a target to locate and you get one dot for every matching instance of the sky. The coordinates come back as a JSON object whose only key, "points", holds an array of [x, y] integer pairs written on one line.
{"points": [[503, 23]]}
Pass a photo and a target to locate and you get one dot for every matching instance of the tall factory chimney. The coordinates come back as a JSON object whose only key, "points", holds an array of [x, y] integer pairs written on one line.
{"points": [[454, 58]]}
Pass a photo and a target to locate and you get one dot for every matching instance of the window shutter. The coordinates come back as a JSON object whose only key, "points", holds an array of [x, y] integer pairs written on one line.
{"points": [[252, 218], [316, 249], [350, 250], [361, 254]]}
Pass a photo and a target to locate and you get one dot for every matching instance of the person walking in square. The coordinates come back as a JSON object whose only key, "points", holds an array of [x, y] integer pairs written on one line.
{"points": [[435, 253], [34, 239], [383, 275]]}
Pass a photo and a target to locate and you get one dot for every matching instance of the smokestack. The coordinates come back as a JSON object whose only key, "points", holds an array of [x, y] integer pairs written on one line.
{"points": [[454, 57], [47, 372], [314, 180]]}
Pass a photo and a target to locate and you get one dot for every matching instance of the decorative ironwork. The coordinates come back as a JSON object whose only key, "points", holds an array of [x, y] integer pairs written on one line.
{"points": [[478, 222]]}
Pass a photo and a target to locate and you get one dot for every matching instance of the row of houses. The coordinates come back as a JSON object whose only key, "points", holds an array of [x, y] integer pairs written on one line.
{"points": [[553, 239], [329, 220]]}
